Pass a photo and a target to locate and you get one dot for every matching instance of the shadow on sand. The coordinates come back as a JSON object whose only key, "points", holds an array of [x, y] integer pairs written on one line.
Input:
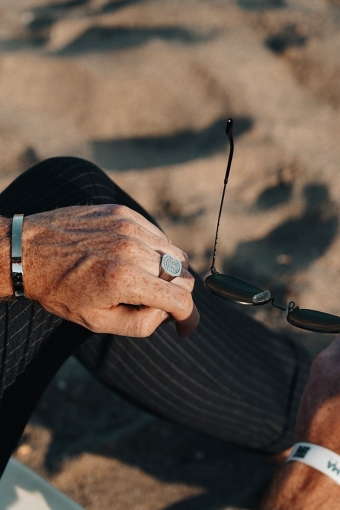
{"points": [[95, 39], [289, 37], [152, 152], [254, 5], [227, 474], [101, 39], [118, 4], [290, 247], [42, 17]]}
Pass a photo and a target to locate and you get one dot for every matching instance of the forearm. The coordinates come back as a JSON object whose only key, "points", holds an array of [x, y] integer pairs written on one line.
{"points": [[6, 286], [300, 487]]}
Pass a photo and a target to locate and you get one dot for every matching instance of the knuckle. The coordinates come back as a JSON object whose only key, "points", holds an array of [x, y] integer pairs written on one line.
{"points": [[191, 281], [186, 258], [124, 226], [142, 328], [120, 271], [184, 302], [144, 324], [185, 281], [122, 210], [146, 329], [189, 276], [125, 245], [159, 232]]}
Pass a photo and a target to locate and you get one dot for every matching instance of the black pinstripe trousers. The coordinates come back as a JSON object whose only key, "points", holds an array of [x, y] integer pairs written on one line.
{"points": [[232, 378]]}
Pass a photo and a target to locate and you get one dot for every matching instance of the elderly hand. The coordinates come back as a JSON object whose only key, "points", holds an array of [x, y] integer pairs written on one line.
{"points": [[90, 264]]}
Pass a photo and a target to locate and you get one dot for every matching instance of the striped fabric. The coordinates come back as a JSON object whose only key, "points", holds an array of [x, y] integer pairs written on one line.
{"points": [[233, 378]]}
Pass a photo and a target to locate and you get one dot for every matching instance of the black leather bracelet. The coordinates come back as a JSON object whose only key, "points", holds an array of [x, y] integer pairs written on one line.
{"points": [[16, 255]]}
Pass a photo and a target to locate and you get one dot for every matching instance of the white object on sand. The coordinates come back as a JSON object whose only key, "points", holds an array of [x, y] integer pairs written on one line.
{"points": [[22, 489]]}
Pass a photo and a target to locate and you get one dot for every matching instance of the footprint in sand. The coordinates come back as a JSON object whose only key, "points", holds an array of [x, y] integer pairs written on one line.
{"points": [[291, 246]]}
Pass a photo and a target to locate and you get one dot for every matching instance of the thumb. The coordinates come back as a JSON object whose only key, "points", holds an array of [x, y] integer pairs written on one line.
{"points": [[135, 321]]}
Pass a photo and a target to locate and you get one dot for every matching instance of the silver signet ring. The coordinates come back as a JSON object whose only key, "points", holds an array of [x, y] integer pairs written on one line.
{"points": [[170, 267]]}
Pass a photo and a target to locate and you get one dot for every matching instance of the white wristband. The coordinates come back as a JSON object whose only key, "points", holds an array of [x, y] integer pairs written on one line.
{"points": [[319, 458]]}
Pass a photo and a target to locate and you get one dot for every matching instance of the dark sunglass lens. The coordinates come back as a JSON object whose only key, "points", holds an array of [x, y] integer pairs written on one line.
{"points": [[314, 321], [233, 289]]}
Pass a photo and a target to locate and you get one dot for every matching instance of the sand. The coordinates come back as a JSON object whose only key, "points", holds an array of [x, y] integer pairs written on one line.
{"points": [[143, 88]]}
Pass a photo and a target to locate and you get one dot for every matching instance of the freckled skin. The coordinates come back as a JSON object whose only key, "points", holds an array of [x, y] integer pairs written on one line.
{"points": [[86, 264], [6, 286], [320, 403], [297, 486]]}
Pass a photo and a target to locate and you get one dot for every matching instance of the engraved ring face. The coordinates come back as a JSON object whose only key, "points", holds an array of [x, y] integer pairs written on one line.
{"points": [[170, 267]]}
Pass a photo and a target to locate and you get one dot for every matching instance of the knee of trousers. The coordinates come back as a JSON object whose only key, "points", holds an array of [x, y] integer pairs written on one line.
{"points": [[69, 167], [57, 182]]}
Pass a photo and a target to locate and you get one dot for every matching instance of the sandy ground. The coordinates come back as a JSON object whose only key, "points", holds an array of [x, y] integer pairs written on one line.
{"points": [[143, 88]]}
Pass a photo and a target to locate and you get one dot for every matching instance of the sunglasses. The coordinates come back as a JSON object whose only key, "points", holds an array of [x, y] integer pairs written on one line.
{"points": [[235, 290]]}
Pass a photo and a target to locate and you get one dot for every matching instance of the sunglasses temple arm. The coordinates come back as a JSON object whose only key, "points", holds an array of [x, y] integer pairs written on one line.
{"points": [[229, 132]]}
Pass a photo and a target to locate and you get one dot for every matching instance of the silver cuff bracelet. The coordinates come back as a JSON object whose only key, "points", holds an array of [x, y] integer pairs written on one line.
{"points": [[16, 255]]}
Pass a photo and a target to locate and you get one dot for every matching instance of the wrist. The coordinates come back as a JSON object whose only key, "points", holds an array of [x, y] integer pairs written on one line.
{"points": [[33, 245], [318, 457], [301, 487], [308, 484], [322, 433], [6, 284]]}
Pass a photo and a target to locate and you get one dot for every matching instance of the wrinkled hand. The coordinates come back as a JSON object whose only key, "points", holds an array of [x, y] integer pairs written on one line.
{"points": [[319, 413], [88, 264]]}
